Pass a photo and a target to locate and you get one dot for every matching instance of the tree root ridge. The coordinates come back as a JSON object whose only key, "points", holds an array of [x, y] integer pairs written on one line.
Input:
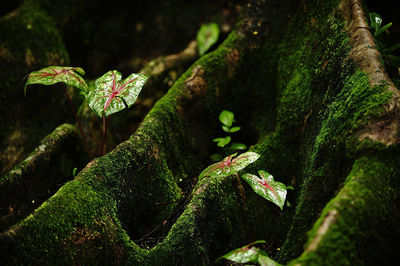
{"points": [[311, 93]]}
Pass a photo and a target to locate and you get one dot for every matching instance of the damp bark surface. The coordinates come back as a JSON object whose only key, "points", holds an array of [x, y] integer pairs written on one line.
{"points": [[307, 85]]}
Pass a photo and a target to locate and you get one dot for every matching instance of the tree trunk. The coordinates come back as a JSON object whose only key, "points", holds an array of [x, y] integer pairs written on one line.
{"points": [[306, 83]]}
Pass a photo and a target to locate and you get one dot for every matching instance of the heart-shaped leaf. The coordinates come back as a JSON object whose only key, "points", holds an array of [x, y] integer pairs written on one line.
{"points": [[229, 166], [245, 254], [54, 74], [227, 118], [207, 36], [111, 94], [267, 188]]}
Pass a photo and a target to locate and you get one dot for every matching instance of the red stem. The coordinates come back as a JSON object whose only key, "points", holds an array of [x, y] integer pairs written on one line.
{"points": [[78, 122]]}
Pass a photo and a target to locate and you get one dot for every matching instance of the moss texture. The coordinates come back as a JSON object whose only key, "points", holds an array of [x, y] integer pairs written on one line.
{"points": [[29, 41], [361, 214], [46, 169], [301, 98]]}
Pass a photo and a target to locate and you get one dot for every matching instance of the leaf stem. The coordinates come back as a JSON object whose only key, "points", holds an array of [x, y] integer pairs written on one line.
{"points": [[78, 122]]}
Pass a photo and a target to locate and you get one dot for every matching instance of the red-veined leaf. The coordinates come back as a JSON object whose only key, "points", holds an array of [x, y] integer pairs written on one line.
{"points": [[230, 166], [222, 168], [267, 188], [243, 160], [244, 254], [111, 94], [54, 74]]}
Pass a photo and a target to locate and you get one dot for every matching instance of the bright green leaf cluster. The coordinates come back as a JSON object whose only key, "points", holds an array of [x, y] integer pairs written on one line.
{"points": [[207, 36], [376, 21], [227, 118]]}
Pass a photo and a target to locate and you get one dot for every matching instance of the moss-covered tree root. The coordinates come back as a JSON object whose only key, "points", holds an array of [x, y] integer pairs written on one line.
{"points": [[29, 40], [45, 170], [312, 94]]}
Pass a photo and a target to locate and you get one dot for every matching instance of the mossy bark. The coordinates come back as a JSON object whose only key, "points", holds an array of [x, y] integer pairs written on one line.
{"points": [[306, 83], [29, 40]]}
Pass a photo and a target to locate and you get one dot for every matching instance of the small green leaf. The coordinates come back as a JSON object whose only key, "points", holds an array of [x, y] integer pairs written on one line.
{"points": [[225, 128], [375, 20], [244, 254], [238, 146], [207, 36], [267, 188], [54, 74], [230, 130], [221, 142], [381, 30], [111, 94], [230, 166], [226, 117], [74, 171]]}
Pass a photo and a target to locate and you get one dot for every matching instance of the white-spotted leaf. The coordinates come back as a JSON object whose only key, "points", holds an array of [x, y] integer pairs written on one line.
{"points": [[245, 254], [229, 166], [264, 260], [54, 74], [207, 36], [266, 187], [111, 94]]}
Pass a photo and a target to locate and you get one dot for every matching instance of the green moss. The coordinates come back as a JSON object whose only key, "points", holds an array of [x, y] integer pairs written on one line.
{"points": [[29, 41], [322, 99], [41, 174], [363, 205]]}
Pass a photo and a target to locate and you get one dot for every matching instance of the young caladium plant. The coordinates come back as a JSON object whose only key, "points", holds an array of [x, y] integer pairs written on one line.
{"points": [[68, 75], [267, 188], [207, 36], [229, 166], [227, 118], [53, 74], [376, 21], [250, 254], [222, 142], [111, 94]]}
